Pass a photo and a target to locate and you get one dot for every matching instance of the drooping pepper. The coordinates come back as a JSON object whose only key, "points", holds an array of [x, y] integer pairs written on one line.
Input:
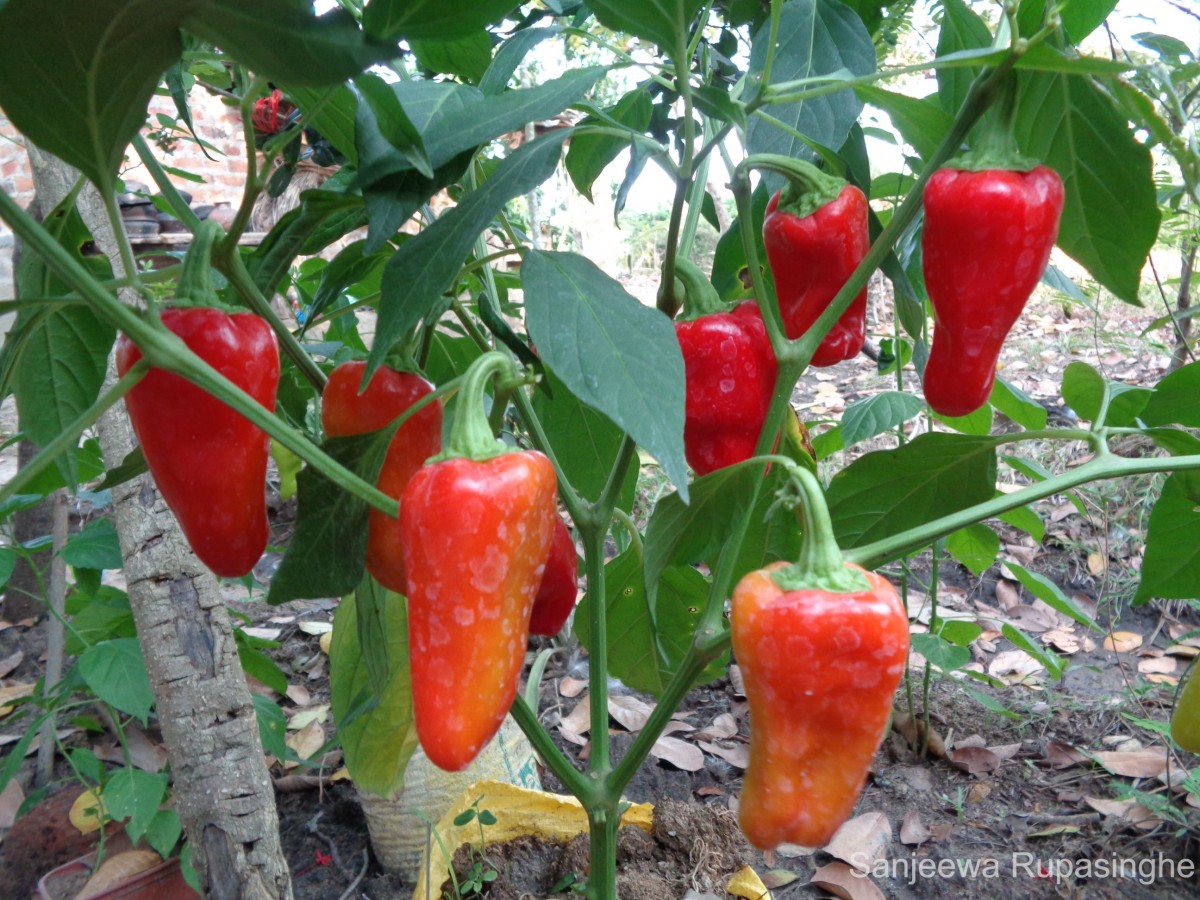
{"points": [[1185, 718], [822, 646], [559, 588], [209, 462], [815, 233], [476, 525], [730, 375], [988, 236], [346, 412]]}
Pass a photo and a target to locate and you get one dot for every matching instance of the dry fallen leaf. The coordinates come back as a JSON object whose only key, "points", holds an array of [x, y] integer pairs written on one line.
{"points": [[738, 755], [862, 841], [975, 760], [10, 692], [913, 830], [1097, 563], [845, 882], [315, 628], [629, 711], [579, 720], [979, 792], [87, 812], [1014, 666], [1123, 641], [299, 694], [1063, 756], [1165, 665], [1129, 810], [326, 642], [777, 878], [571, 687], [301, 719], [11, 799], [307, 741], [118, 869], [722, 727], [266, 634], [10, 663], [913, 729], [1138, 764], [1063, 641], [1163, 679], [735, 680], [1008, 594], [681, 754]]}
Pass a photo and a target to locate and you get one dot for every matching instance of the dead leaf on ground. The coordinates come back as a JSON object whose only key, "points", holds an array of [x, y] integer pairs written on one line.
{"points": [[1137, 764], [266, 634], [299, 694], [1063, 756], [675, 725], [912, 830], [118, 869], [629, 711], [941, 833], [979, 792], [9, 663], [1171, 680], [1064, 642], [975, 760], [304, 717], [845, 882], [87, 812], [735, 680], [681, 754], [1164, 665], [10, 692], [738, 755], [571, 687], [578, 722], [777, 878], [722, 727], [1014, 666], [862, 841], [307, 741], [913, 729], [315, 628], [1123, 641], [1186, 651], [1097, 563], [1008, 594], [11, 799], [258, 687], [1129, 810], [326, 642]]}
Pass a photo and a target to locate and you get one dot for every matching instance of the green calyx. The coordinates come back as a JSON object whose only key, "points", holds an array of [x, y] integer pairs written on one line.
{"points": [[195, 280], [471, 434], [996, 141], [821, 565], [808, 188], [700, 298]]}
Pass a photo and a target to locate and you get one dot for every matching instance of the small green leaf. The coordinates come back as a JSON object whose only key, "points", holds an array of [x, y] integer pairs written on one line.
{"points": [[431, 19], [164, 832], [115, 671], [940, 652], [989, 702], [975, 546], [1083, 390], [864, 419], [272, 726], [258, 665], [134, 795], [467, 57], [8, 562], [1054, 663], [1171, 568], [1018, 405], [95, 547], [958, 632], [1174, 399], [1024, 518], [589, 154], [1051, 594], [665, 22], [510, 55], [978, 423]]}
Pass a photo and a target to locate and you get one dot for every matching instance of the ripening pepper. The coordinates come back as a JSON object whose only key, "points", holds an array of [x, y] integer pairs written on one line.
{"points": [[476, 524], [559, 588], [822, 646], [209, 462], [1185, 718], [815, 233], [346, 412], [730, 375], [987, 238]]}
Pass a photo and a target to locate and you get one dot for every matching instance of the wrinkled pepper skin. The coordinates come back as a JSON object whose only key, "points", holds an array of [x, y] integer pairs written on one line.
{"points": [[987, 239], [1185, 718], [559, 589], [209, 462], [820, 671], [346, 412], [730, 371], [476, 538], [811, 257]]}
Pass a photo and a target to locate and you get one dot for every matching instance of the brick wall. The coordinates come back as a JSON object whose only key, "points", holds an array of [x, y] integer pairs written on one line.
{"points": [[217, 122]]}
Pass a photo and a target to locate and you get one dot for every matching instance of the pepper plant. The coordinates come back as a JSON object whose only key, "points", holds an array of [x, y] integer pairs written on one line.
{"points": [[585, 378]]}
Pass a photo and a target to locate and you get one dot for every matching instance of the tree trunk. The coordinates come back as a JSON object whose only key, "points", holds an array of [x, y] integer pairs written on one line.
{"points": [[223, 793], [1183, 302]]}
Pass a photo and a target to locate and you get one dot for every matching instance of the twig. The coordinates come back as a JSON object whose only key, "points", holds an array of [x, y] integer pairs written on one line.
{"points": [[358, 878], [333, 851], [56, 592]]}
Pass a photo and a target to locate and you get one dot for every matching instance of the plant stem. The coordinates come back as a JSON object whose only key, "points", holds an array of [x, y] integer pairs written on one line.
{"points": [[556, 761]]}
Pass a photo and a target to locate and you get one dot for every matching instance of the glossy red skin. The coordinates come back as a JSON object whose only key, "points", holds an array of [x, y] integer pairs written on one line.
{"points": [[476, 539], [820, 672], [730, 374], [987, 239], [811, 258], [209, 462], [559, 589], [345, 412]]}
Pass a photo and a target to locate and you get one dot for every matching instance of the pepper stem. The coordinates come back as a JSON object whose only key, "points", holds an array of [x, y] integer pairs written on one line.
{"points": [[700, 298], [808, 188], [195, 279], [821, 565], [996, 147], [471, 435]]}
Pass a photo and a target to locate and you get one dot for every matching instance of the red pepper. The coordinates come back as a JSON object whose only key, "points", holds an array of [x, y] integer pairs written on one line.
{"points": [[209, 462], [815, 233], [346, 412], [729, 368], [988, 236], [559, 589], [476, 525], [822, 646]]}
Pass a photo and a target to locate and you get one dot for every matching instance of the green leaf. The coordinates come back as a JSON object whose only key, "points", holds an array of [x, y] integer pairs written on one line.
{"points": [[585, 442], [729, 260], [467, 57], [1018, 405], [961, 30], [135, 795], [616, 355], [590, 154], [8, 562], [328, 551], [864, 419], [991, 703], [1027, 520], [1051, 594], [1054, 663], [323, 216], [1083, 390], [95, 547], [1081, 17], [426, 266], [975, 546], [1174, 399], [921, 122], [376, 728], [60, 352], [272, 726], [115, 671], [889, 491], [1171, 569], [940, 652], [978, 423], [100, 620], [419, 20], [957, 631], [662, 21], [258, 665], [816, 37], [330, 110], [391, 122], [164, 831], [1110, 217], [510, 55]]}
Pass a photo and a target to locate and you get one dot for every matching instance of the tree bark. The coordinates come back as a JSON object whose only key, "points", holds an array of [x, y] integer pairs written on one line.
{"points": [[223, 793], [1183, 302]]}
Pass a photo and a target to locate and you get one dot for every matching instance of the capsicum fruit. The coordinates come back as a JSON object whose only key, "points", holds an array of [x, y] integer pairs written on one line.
{"points": [[1185, 718], [559, 589]]}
